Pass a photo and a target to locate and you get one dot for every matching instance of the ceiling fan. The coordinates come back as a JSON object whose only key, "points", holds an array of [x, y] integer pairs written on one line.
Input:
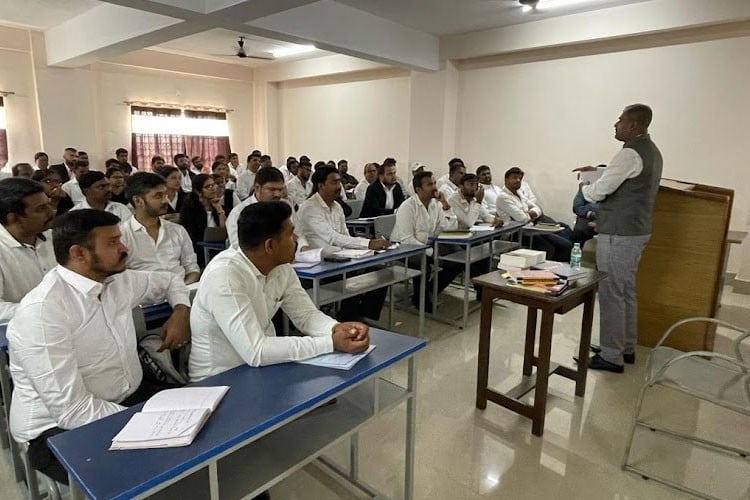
{"points": [[242, 53]]}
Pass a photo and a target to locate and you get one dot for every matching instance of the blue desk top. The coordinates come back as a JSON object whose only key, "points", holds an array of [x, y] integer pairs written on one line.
{"points": [[3, 338], [479, 236], [157, 311], [262, 397], [326, 269], [213, 245]]}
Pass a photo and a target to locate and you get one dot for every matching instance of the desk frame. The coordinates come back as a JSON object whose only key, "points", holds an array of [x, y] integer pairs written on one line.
{"points": [[388, 257], [538, 381], [477, 241], [385, 396]]}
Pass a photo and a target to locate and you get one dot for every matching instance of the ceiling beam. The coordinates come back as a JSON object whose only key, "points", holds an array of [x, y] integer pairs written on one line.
{"points": [[343, 29], [121, 26]]}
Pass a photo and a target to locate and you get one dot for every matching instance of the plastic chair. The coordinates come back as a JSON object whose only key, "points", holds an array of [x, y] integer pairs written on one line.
{"points": [[356, 206], [709, 376], [384, 225]]}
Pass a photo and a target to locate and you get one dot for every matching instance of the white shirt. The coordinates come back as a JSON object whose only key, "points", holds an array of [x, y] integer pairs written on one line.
{"points": [[514, 208], [112, 207], [241, 169], [323, 226], [245, 184], [73, 190], [173, 201], [491, 192], [448, 189], [468, 212], [172, 251], [526, 191], [231, 317], [73, 347], [286, 173], [415, 223], [443, 180], [186, 183], [298, 193], [361, 189], [234, 217], [388, 196], [626, 164], [22, 267]]}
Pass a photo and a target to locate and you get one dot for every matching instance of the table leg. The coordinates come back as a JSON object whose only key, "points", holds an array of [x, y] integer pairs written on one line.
{"points": [[467, 284], [583, 348], [6, 386], [483, 356], [542, 372], [354, 457], [528, 351], [411, 430], [435, 270], [422, 292], [391, 306], [316, 291]]}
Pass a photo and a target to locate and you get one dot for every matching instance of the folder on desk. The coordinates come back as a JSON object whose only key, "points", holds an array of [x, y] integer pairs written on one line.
{"points": [[337, 360], [170, 418]]}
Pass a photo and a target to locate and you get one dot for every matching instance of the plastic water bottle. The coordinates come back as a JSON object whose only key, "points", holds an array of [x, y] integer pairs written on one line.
{"points": [[575, 256]]}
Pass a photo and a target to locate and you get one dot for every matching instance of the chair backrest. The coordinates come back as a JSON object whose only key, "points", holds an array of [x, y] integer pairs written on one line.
{"points": [[356, 206], [384, 225], [215, 234]]}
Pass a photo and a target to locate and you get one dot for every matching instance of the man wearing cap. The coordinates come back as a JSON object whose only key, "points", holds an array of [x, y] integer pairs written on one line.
{"points": [[416, 167]]}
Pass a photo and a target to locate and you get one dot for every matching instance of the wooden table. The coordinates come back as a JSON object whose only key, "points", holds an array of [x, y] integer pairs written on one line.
{"points": [[583, 291]]}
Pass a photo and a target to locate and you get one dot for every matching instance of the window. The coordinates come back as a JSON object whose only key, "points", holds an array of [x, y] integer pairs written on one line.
{"points": [[3, 136], [168, 131]]}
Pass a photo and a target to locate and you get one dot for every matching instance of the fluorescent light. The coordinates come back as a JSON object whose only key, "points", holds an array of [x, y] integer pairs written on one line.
{"points": [[292, 51]]}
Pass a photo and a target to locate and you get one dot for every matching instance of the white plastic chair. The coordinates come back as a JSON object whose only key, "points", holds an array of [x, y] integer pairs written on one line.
{"points": [[720, 379]]}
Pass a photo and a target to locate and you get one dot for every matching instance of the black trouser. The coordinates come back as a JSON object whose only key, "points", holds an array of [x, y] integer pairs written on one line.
{"points": [[41, 457], [446, 275], [556, 247], [582, 232]]}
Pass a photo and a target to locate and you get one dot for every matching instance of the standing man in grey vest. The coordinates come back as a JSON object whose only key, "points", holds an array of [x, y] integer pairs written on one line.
{"points": [[626, 193]]}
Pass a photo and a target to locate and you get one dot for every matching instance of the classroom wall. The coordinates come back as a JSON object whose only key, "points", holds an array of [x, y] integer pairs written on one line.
{"points": [[59, 107], [549, 117], [362, 121]]}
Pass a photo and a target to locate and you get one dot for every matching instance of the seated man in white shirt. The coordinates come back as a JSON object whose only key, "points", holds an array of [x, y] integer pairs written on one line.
{"points": [[243, 288], [445, 179], [467, 206], [246, 180], [26, 253], [491, 190], [299, 187], [512, 205], [370, 176], [422, 216], [416, 168], [322, 224], [290, 169], [71, 188], [156, 244], [97, 193], [72, 341], [269, 186], [456, 172]]}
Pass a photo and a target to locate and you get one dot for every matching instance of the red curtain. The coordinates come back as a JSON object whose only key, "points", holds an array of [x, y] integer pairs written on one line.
{"points": [[167, 145], [3, 142], [207, 147], [145, 146]]}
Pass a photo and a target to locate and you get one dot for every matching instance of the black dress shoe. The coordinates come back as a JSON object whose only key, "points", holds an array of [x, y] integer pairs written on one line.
{"points": [[596, 362], [628, 358]]}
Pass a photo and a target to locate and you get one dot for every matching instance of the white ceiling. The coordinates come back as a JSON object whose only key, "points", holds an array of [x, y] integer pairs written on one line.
{"points": [[447, 17], [42, 14], [221, 45]]}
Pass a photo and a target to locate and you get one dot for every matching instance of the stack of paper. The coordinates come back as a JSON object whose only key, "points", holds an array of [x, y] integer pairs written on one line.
{"points": [[337, 360], [170, 418], [455, 235], [353, 253]]}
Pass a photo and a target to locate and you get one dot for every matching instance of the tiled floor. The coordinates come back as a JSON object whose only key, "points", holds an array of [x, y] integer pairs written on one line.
{"points": [[464, 453]]}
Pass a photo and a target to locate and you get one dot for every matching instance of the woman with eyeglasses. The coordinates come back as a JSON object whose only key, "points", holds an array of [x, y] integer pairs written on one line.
{"points": [[52, 183], [202, 209]]}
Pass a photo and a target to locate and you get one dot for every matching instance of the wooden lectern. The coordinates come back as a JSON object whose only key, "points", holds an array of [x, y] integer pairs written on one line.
{"points": [[681, 270]]}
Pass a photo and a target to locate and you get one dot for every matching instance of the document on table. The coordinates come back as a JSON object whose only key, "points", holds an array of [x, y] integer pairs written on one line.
{"points": [[337, 360], [482, 227]]}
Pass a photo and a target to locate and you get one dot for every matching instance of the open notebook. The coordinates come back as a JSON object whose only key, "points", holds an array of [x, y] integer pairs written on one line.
{"points": [[170, 418]]}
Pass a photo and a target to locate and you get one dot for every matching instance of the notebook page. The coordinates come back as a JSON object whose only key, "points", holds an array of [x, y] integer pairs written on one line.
{"points": [[186, 398]]}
